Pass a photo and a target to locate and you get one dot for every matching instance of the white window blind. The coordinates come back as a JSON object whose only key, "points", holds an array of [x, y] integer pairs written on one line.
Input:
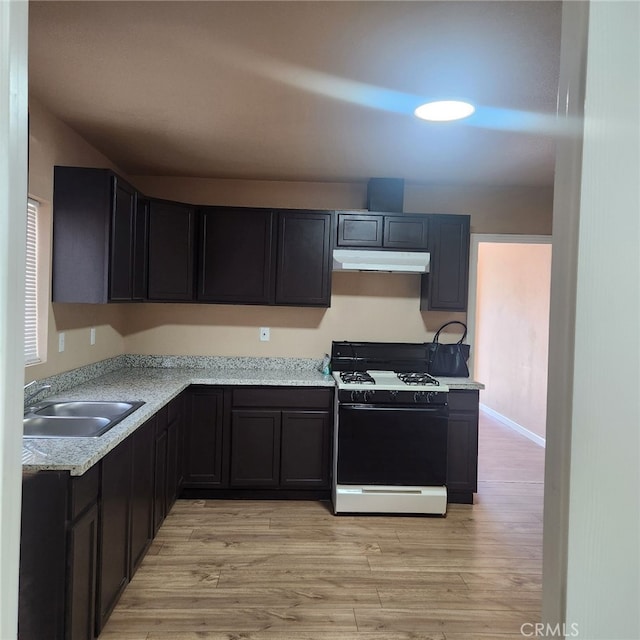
{"points": [[31, 350]]}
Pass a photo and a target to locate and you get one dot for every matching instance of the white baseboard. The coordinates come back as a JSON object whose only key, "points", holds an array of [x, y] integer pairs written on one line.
{"points": [[534, 437]]}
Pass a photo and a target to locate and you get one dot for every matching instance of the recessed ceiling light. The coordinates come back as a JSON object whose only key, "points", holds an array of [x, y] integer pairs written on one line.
{"points": [[444, 110]]}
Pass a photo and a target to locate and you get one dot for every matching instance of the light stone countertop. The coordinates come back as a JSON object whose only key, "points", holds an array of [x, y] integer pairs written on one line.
{"points": [[461, 384], [155, 387]]}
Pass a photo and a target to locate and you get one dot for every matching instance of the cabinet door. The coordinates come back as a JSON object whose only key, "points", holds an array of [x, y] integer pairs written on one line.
{"points": [[43, 535], [462, 448], [81, 576], [255, 448], [406, 232], [82, 210], [160, 480], [174, 433], [235, 255], [203, 439], [445, 287], [175, 448], [140, 249], [113, 546], [360, 230], [171, 251], [142, 492], [122, 241], [305, 449], [303, 274]]}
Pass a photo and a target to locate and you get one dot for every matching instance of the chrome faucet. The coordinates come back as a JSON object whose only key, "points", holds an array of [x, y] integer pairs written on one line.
{"points": [[28, 397]]}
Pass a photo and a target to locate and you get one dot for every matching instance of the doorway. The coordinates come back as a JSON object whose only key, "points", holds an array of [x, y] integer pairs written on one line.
{"points": [[509, 327]]}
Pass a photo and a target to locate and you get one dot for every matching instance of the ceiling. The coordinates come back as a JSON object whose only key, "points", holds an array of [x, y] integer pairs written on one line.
{"points": [[304, 90]]}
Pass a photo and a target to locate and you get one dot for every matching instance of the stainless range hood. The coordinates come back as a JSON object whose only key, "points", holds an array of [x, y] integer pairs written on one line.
{"points": [[395, 261], [385, 195]]}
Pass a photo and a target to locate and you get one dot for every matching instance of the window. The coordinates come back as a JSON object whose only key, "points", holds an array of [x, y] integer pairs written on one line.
{"points": [[31, 341]]}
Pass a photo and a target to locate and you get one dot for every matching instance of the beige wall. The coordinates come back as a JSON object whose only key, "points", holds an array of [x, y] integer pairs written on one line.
{"points": [[256, 193], [512, 330], [518, 210], [51, 142], [375, 306], [364, 306]]}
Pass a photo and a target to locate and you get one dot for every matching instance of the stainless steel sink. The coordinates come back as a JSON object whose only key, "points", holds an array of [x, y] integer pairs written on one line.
{"points": [[65, 427], [85, 409], [75, 418]]}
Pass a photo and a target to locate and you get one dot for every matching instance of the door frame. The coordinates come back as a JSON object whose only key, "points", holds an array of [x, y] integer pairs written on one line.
{"points": [[476, 239]]}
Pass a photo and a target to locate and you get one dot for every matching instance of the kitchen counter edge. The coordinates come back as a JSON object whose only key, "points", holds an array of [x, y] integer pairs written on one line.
{"points": [[155, 387]]}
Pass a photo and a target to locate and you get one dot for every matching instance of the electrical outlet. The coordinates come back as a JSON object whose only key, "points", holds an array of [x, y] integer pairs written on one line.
{"points": [[265, 334], [61, 342], [92, 336]]}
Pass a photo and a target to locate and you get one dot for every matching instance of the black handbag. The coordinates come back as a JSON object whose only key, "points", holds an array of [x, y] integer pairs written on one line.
{"points": [[448, 359]]}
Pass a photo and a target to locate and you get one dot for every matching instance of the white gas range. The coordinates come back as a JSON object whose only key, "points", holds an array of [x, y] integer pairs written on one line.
{"points": [[390, 451], [393, 381]]}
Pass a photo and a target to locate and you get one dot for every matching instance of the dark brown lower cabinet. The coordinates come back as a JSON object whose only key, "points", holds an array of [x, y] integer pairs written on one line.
{"points": [[203, 454], [114, 525], [83, 537], [82, 569], [142, 492], [259, 441], [284, 442], [160, 475], [305, 449], [41, 605], [168, 464], [58, 555], [462, 446], [255, 448], [175, 445]]}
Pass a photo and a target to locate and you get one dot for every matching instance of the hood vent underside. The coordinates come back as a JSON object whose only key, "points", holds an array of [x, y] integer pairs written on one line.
{"points": [[396, 261]]}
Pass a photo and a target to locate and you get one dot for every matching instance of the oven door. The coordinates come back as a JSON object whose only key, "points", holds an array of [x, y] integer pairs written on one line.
{"points": [[390, 445]]}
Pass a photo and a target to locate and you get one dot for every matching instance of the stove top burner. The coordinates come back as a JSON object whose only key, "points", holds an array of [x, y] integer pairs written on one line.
{"points": [[417, 378], [398, 382], [361, 377]]}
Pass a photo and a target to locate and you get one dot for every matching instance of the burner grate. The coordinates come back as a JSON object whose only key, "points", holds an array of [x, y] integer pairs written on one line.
{"points": [[417, 378], [361, 377]]}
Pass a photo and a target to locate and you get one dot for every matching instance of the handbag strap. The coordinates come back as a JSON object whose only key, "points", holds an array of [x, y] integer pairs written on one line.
{"points": [[464, 335]]}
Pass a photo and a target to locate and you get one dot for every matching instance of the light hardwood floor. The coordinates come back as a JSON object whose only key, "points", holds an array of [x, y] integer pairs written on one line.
{"points": [[267, 570]]}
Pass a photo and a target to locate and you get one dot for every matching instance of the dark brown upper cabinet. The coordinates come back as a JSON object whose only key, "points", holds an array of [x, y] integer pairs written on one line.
{"points": [[303, 268], [99, 237], [355, 230], [172, 228], [262, 256], [406, 232], [235, 255], [445, 287], [398, 232], [140, 253]]}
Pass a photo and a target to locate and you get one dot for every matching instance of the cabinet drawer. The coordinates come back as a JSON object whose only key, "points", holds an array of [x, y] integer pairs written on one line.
{"points": [[463, 400], [84, 491], [283, 397]]}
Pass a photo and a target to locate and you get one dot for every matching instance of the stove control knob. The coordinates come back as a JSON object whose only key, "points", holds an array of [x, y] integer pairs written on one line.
{"points": [[355, 396], [420, 396], [367, 395], [393, 395], [431, 396]]}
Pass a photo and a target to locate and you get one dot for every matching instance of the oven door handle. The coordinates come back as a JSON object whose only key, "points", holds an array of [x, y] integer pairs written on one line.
{"points": [[443, 409]]}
